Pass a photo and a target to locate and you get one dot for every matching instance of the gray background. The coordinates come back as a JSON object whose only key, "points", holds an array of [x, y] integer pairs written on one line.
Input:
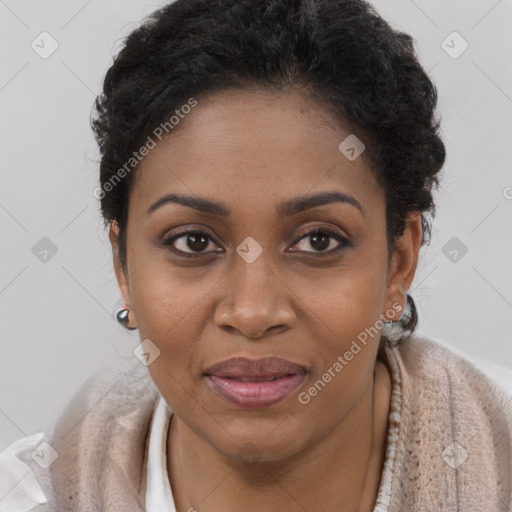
{"points": [[56, 316]]}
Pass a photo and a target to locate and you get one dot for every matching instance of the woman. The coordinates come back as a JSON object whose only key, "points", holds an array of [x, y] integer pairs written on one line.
{"points": [[266, 177]]}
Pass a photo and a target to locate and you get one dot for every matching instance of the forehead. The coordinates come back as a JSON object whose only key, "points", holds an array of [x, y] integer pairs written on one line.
{"points": [[248, 145]]}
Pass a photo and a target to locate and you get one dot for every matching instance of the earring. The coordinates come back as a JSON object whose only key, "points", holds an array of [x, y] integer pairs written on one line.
{"points": [[394, 322], [123, 318], [402, 311]]}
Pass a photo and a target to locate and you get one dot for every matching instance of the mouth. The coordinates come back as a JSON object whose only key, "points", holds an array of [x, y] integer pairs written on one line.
{"points": [[255, 384]]}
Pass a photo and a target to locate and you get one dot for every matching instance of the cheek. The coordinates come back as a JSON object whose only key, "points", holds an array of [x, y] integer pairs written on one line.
{"points": [[344, 326], [346, 301], [170, 314], [346, 340], [170, 311], [166, 298]]}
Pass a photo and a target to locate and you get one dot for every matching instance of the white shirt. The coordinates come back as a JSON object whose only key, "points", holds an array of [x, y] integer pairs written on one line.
{"points": [[158, 488], [20, 491]]}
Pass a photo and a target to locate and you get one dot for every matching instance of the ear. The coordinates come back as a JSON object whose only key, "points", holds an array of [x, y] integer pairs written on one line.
{"points": [[403, 265], [122, 279]]}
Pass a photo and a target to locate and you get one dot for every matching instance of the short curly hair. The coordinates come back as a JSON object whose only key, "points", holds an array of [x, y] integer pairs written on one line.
{"points": [[340, 52]]}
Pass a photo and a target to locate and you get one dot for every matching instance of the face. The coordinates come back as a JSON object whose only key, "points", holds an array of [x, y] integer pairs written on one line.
{"points": [[250, 268]]}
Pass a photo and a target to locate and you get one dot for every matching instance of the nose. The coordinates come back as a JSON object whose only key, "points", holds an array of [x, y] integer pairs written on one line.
{"points": [[255, 300]]}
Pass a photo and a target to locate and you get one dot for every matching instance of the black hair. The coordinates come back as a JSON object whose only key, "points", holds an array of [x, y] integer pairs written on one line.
{"points": [[339, 52]]}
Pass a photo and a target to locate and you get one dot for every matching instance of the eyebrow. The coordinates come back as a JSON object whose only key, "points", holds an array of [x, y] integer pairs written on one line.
{"points": [[285, 209]]}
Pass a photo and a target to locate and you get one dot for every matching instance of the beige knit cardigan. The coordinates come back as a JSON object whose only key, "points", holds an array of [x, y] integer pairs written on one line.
{"points": [[453, 451]]}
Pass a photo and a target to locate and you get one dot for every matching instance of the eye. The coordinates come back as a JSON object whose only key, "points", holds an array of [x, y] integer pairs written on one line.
{"points": [[322, 241], [190, 242]]}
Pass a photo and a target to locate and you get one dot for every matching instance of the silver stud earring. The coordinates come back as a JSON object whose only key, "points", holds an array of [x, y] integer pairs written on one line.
{"points": [[123, 317]]}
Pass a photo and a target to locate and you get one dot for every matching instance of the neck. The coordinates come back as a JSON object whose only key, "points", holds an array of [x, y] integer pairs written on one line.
{"points": [[339, 472]]}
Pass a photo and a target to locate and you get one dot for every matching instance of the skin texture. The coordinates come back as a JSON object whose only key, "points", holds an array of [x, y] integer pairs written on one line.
{"points": [[251, 150]]}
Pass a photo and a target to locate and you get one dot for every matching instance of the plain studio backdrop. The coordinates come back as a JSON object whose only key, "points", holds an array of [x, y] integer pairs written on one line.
{"points": [[58, 291]]}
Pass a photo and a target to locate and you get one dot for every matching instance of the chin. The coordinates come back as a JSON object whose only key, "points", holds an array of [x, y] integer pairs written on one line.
{"points": [[258, 444]]}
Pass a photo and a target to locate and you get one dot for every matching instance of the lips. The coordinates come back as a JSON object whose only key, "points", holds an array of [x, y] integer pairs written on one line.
{"points": [[254, 384], [267, 368]]}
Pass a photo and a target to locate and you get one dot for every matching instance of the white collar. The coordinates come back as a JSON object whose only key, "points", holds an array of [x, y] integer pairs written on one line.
{"points": [[158, 488]]}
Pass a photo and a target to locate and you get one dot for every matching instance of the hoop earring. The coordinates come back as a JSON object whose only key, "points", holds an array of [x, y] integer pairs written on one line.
{"points": [[391, 331], [410, 318], [394, 322], [123, 318]]}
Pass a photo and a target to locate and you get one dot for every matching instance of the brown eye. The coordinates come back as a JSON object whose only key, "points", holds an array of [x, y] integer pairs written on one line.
{"points": [[321, 240], [190, 242]]}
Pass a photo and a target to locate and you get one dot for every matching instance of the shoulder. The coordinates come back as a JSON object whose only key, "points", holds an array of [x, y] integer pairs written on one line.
{"points": [[88, 440], [427, 358], [106, 405], [108, 396], [449, 389], [455, 431]]}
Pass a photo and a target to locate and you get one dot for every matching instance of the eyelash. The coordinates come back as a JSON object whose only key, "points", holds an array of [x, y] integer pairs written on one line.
{"points": [[344, 242]]}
